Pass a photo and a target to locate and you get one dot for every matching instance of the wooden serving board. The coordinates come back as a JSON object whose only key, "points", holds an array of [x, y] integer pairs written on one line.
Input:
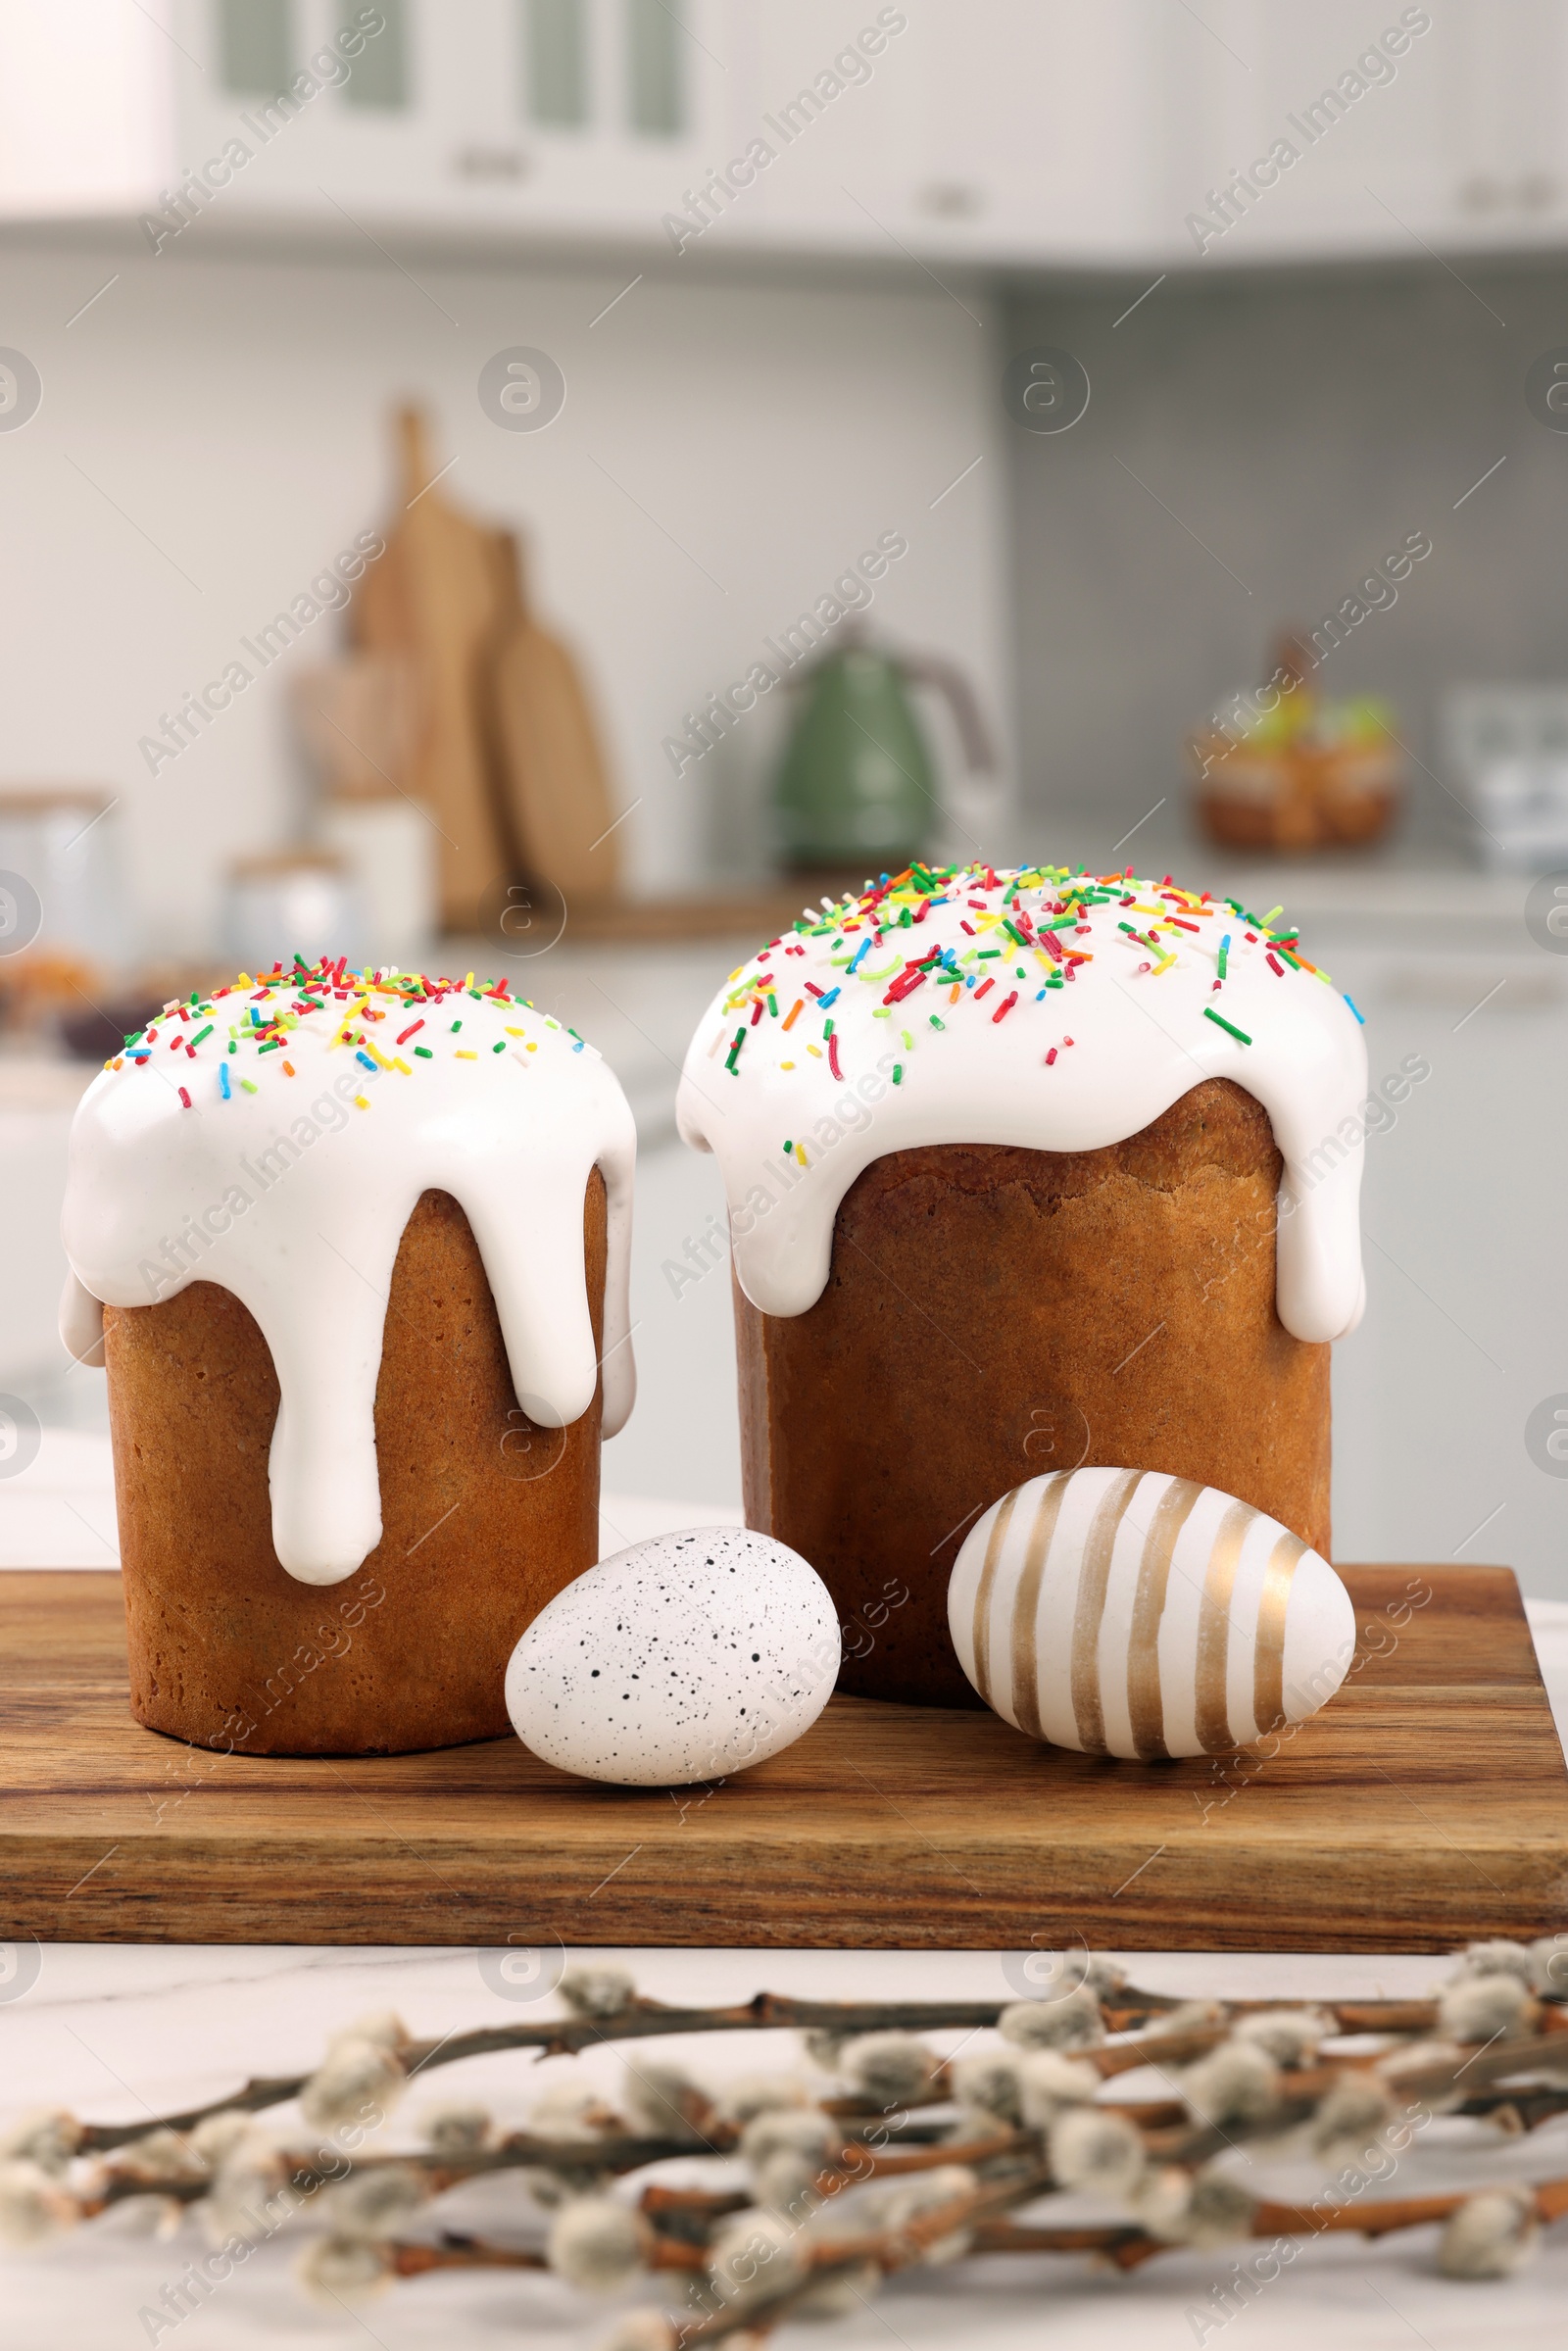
{"points": [[1427, 1804]]}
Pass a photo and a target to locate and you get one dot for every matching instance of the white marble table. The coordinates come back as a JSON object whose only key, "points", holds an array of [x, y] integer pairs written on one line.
{"points": [[122, 2033]]}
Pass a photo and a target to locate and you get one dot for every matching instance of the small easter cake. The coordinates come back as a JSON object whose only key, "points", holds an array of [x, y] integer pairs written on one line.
{"points": [[352, 1248], [1027, 1172]]}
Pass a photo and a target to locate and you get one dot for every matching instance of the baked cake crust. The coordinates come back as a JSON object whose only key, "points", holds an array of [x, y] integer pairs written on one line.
{"points": [[993, 1312], [485, 1517]]}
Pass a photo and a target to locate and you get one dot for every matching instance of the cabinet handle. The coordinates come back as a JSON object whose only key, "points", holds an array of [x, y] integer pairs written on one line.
{"points": [[950, 199], [492, 162], [1481, 194]]}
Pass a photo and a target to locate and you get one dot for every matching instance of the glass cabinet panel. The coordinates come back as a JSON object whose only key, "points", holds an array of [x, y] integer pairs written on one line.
{"points": [[380, 72], [656, 77], [555, 63], [256, 46]]}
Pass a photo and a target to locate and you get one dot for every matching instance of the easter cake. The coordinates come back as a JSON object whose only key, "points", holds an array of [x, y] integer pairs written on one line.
{"points": [[1027, 1172], [352, 1249]]}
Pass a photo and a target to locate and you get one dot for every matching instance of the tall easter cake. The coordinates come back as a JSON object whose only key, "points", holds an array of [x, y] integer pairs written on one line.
{"points": [[352, 1248], [1025, 1170]]}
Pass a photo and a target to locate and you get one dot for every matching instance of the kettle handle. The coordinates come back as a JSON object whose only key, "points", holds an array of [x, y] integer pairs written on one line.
{"points": [[933, 669]]}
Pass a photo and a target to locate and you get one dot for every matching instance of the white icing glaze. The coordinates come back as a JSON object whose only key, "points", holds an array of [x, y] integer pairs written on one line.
{"points": [[294, 1198], [1140, 1040]]}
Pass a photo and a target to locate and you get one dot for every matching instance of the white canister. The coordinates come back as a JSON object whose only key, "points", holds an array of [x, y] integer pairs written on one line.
{"points": [[62, 880], [386, 845], [295, 901]]}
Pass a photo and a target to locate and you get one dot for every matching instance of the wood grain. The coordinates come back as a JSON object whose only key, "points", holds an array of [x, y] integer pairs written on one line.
{"points": [[548, 758], [431, 599], [1427, 1804]]}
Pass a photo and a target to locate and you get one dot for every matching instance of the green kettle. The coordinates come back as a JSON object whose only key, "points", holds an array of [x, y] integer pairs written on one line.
{"points": [[858, 785]]}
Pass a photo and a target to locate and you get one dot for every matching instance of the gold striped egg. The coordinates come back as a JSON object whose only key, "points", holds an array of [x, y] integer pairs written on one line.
{"points": [[1125, 1612]]}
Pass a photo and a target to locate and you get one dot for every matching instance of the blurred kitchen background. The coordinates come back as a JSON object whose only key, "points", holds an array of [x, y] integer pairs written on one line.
{"points": [[1129, 431]]}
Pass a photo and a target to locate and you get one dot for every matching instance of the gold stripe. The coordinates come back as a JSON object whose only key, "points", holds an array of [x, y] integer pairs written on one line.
{"points": [[1144, 1702], [1214, 1628], [982, 1598], [1269, 1653], [1026, 1603], [1093, 1575]]}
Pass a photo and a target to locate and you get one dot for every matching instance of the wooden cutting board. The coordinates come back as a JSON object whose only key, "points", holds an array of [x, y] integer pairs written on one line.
{"points": [[549, 762], [432, 598], [1426, 1805]]}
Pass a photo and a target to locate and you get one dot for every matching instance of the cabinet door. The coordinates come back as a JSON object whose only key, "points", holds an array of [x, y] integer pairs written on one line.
{"points": [[620, 106], [1511, 175], [1466, 1262], [585, 116], [1006, 129], [1458, 141], [1301, 131]]}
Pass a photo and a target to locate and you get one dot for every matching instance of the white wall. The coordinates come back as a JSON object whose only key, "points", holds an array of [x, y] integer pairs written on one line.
{"points": [[213, 430]]}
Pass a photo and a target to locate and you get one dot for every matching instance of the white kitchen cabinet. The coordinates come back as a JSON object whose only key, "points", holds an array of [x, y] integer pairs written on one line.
{"points": [[1466, 1257], [993, 131], [1374, 146], [1440, 126], [580, 117], [999, 132], [1511, 184], [1003, 130], [521, 118], [39, 1100]]}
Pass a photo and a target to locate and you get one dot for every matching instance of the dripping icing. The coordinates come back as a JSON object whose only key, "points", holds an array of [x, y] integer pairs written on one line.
{"points": [[289, 1180], [826, 1043]]}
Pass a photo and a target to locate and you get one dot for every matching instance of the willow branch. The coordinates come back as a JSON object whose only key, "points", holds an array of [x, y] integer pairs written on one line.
{"points": [[983, 2213], [644, 2018], [415, 2261], [854, 2159], [1127, 2245], [888, 2249], [569, 2036]]}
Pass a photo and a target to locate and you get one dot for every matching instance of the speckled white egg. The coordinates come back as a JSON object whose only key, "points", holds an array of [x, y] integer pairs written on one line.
{"points": [[683, 1658], [1125, 1612]]}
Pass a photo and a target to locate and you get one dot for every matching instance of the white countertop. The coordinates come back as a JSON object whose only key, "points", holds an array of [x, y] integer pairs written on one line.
{"points": [[116, 2033], [113, 2033]]}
